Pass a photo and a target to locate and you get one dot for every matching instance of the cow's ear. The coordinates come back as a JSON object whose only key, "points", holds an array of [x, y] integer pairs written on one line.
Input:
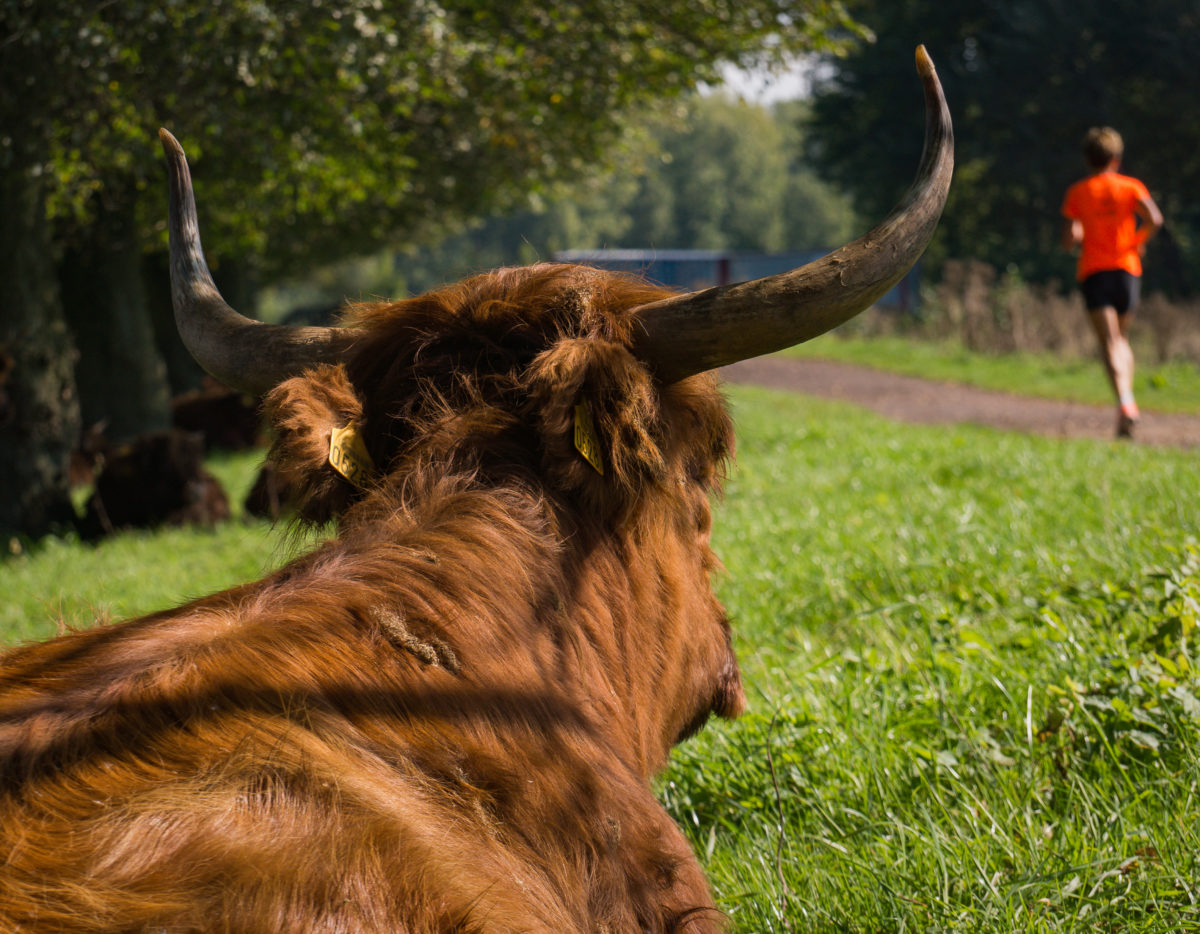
{"points": [[305, 412], [597, 411]]}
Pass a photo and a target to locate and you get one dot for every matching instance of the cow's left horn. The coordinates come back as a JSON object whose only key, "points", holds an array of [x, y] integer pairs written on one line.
{"points": [[687, 334], [242, 353]]}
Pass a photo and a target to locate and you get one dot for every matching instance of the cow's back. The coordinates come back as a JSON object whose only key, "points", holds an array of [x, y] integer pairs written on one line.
{"points": [[248, 763]]}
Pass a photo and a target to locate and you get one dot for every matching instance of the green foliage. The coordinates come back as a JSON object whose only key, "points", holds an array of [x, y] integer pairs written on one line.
{"points": [[710, 172], [730, 175], [722, 177], [1024, 81], [316, 129], [971, 662]]}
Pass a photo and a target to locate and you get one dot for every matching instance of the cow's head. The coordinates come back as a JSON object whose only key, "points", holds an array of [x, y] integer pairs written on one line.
{"points": [[592, 390]]}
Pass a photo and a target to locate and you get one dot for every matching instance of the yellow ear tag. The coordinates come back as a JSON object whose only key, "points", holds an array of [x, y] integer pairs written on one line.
{"points": [[348, 455], [585, 438]]}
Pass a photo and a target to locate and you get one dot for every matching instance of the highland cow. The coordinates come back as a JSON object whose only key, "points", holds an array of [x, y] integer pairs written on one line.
{"points": [[446, 717], [152, 480]]}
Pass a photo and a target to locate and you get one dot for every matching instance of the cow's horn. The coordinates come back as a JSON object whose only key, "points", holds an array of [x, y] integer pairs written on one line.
{"points": [[698, 331], [242, 353]]}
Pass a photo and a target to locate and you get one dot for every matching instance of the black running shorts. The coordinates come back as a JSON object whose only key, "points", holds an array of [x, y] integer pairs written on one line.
{"points": [[1112, 288]]}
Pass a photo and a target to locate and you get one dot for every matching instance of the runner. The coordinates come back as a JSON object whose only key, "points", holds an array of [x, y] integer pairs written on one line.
{"points": [[1111, 216]]}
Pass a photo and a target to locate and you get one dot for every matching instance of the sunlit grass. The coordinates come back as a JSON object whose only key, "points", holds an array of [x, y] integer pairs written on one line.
{"points": [[969, 659], [972, 708], [63, 582]]}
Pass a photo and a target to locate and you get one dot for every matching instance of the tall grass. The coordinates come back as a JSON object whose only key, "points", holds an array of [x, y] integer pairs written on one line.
{"points": [[969, 657], [1001, 313]]}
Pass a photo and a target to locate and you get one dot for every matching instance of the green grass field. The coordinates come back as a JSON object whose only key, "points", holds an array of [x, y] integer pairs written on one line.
{"points": [[970, 663], [969, 657], [1170, 387]]}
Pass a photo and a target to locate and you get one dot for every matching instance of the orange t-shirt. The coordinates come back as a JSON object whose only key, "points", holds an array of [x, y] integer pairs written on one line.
{"points": [[1104, 204]]}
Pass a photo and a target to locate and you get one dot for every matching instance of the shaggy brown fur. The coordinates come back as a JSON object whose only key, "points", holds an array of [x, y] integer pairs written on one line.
{"points": [[444, 719]]}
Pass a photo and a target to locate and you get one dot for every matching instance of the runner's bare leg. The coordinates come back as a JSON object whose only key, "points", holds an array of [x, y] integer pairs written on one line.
{"points": [[1123, 322], [1112, 333], [1115, 352]]}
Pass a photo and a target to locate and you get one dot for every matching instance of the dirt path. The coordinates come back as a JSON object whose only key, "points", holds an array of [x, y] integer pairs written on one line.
{"points": [[909, 399]]}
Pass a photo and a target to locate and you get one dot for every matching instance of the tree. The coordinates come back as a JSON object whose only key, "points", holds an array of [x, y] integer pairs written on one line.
{"points": [[729, 174], [1024, 79], [724, 175], [316, 130], [706, 172], [39, 410]]}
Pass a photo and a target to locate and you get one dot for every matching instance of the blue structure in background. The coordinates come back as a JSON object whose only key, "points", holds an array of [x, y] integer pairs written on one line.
{"points": [[690, 270]]}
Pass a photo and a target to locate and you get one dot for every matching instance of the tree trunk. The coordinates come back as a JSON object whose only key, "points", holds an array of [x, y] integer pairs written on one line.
{"points": [[121, 376], [39, 406]]}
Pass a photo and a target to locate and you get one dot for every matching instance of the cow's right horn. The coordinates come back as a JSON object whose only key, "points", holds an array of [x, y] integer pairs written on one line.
{"points": [[242, 353], [698, 331]]}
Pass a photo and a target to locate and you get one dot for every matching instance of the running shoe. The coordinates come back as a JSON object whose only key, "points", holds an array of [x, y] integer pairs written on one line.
{"points": [[1127, 416]]}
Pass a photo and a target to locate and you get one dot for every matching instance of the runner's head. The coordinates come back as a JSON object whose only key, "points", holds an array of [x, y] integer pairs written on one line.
{"points": [[1102, 147]]}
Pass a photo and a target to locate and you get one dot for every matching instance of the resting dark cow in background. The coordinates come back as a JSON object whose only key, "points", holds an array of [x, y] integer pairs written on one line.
{"points": [[445, 718], [155, 479]]}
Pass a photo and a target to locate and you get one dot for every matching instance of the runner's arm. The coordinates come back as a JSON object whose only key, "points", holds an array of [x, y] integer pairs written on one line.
{"points": [[1072, 234], [1150, 217]]}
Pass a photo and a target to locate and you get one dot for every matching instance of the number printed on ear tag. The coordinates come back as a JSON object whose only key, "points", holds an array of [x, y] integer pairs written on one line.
{"points": [[348, 455]]}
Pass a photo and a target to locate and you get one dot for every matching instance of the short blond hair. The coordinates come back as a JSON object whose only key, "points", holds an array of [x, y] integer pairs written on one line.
{"points": [[1101, 145]]}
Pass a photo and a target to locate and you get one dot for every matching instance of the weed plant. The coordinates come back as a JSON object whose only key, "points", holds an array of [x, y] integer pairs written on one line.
{"points": [[969, 656]]}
